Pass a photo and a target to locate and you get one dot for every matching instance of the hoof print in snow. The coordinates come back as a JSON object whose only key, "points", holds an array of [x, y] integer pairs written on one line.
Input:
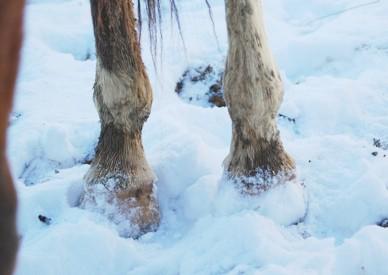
{"points": [[202, 86], [44, 219]]}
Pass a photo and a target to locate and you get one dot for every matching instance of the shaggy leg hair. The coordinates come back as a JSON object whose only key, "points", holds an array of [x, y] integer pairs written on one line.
{"points": [[253, 93], [120, 182]]}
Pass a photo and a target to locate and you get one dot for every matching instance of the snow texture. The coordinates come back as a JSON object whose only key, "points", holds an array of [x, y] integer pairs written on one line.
{"points": [[334, 60]]}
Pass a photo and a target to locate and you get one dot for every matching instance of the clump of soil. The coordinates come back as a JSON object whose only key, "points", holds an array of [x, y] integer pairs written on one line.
{"points": [[378, 143], [217, 95], [383, 223], [202, 85]]}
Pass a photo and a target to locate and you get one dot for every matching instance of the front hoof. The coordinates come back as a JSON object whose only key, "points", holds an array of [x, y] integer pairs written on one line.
{"points": [[135, 212]]}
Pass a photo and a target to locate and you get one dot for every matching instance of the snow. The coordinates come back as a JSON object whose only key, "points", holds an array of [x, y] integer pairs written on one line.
{"points": [[334, 69]]}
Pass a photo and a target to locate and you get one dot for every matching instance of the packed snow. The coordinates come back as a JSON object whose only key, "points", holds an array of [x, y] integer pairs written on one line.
{"points": [[334, 60]]}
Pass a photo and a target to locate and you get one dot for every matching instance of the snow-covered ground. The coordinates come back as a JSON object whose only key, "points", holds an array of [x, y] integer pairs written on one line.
{"points": [[335, 70]]}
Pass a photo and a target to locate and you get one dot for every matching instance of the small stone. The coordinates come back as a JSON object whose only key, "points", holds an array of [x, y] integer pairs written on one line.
{"points": [[384, 223], [375, 154], [44, 219], [179, 87]]}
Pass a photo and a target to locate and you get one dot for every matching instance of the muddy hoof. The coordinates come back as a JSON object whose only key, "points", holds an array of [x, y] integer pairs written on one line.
{"points": [[135, 212]]}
